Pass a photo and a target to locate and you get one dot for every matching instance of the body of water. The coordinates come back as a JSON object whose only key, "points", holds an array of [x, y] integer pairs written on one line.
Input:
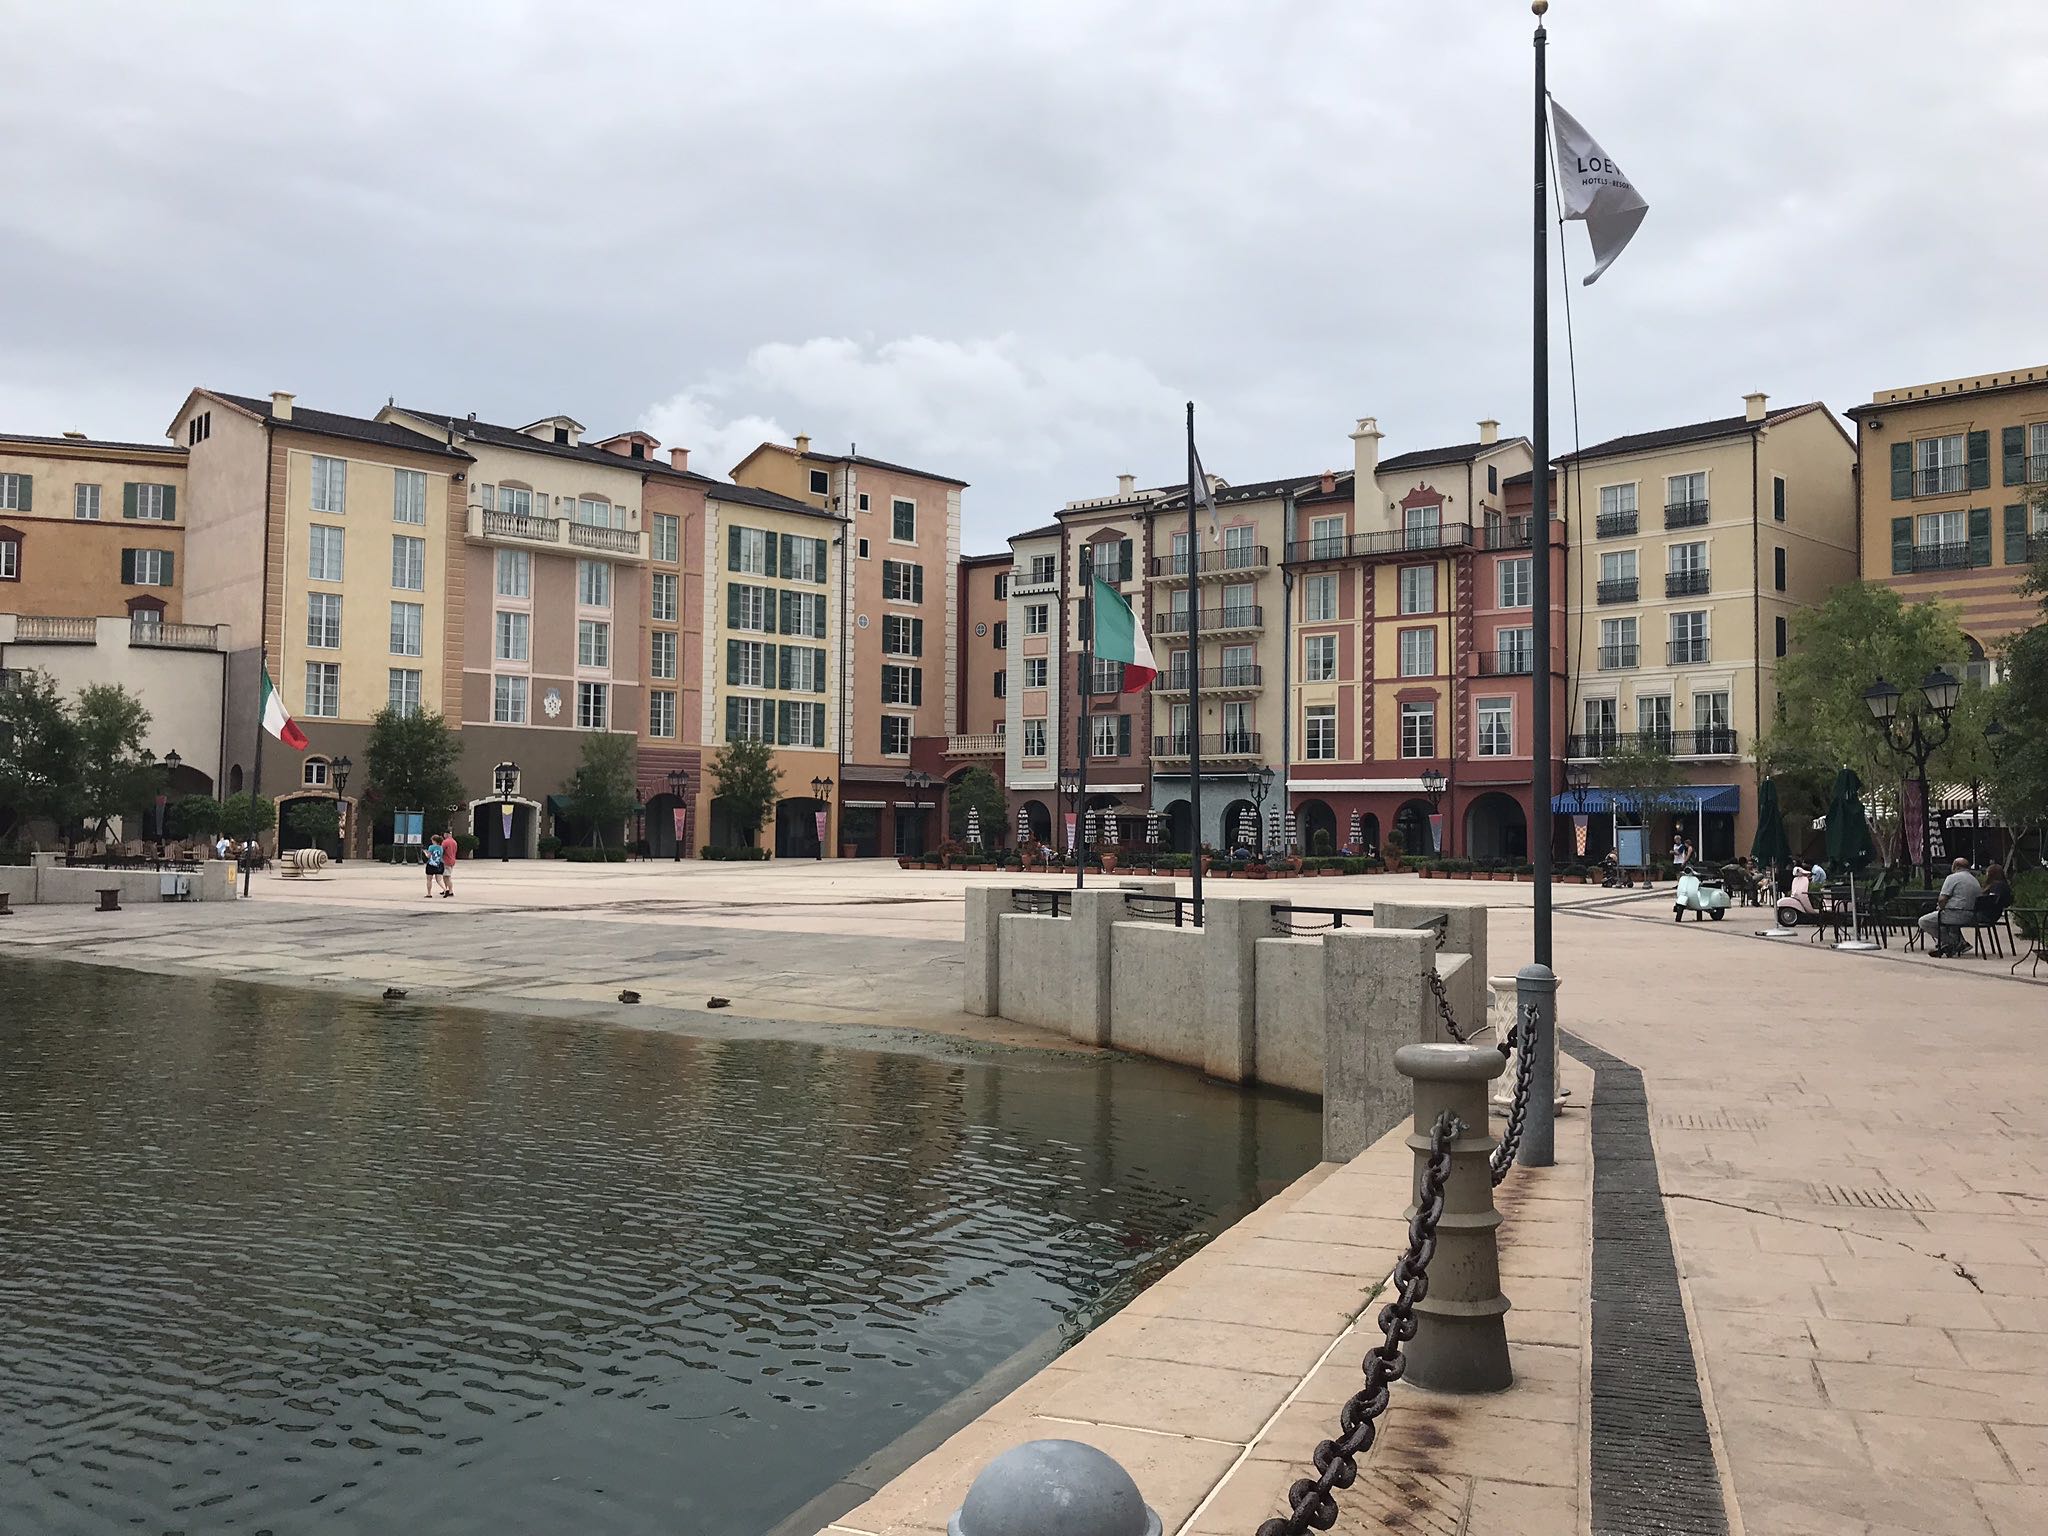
{"points": [[279, 1262]]}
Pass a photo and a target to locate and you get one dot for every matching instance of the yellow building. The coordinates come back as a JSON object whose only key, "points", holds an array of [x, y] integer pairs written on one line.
{"points": [[1950, 504], [91, 529], [1691, 549]]}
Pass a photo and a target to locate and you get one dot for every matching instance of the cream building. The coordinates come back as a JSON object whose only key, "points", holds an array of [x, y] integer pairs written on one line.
{"points": [[1033, 723]]}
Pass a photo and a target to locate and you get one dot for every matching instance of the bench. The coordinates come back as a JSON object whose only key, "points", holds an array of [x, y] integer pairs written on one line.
{"points": [[110, 898]]}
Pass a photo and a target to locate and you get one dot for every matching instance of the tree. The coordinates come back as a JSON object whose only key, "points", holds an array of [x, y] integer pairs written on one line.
{"points": [[38, 755], [978, 791], [194, 817], [411, 760], [113, 774], [748, 785], [1642, 770], [601, 789], [317, 821], [245, 817]]}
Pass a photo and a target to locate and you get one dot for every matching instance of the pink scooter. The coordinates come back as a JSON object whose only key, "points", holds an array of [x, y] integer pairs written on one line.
{"points": [[1799, 907]]}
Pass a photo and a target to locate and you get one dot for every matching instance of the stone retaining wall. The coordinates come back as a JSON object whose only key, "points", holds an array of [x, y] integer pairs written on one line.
{"points": [[49, 884]]}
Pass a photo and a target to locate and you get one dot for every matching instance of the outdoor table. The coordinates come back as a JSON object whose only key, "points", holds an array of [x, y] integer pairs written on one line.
{"points": [[1916, 905], [2036, 950]]}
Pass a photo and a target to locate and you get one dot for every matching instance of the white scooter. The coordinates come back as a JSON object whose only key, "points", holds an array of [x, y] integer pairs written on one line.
{"points": [[1702, 898]]}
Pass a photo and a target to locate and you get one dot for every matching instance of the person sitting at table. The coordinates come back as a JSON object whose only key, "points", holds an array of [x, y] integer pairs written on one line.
{"points": [[1959, 893], [1995, 884]]}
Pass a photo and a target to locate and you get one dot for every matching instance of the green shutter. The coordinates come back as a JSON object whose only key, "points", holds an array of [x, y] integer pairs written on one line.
{"points": [[782, 678], [26, 492], [170, 503], [769, 554], [784, 714], [768, 614], [1902, 475], [1778, 497], [127, 567], [1123, 558], [818, 671], [1902, 545], [732, 719], [818, 560], [732, 548], [1123, 735], [917, 637], [917, 685], [732, 606], [732, 661], [171, 560], [2014, 444], [1980, 461], [788, 600], [767, 666], [128, 500], [1980, 535], [2016, 534]]}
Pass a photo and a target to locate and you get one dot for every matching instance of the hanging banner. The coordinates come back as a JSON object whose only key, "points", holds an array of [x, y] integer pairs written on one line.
{"points": [[1910, 804], [1436, 833], [505, 820], [1579, 834], [407, 827], [821, 827], [678, 813], [1071, 819]]}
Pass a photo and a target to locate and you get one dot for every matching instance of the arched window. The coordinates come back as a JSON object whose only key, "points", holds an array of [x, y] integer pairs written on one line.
{"points": [[235, 779], [313, 773]]}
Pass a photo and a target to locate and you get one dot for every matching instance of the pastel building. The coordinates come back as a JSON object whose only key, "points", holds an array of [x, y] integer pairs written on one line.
{"points": [[91, 529], [981, 664], [1035, 718]]}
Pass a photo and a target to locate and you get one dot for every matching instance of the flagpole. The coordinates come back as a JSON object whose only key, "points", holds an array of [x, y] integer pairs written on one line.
{"points": [[1194, 678], [1541, 727], [1083, 744]]}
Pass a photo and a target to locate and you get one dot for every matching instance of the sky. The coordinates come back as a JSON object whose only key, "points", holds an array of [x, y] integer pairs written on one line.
{"points": [[1005, 242]]}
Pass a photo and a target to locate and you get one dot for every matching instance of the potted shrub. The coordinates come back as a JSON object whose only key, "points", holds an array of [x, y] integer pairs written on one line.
{"points": [[1395, 847]]}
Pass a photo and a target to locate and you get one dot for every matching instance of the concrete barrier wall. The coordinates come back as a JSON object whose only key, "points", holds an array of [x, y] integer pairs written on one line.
{"points": [[1037, 985], [1290, 1013], [1156, 1003], [49, 884]]}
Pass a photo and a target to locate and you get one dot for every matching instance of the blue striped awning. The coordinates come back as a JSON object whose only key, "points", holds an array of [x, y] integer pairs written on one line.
{"points": [[1689, 798]]}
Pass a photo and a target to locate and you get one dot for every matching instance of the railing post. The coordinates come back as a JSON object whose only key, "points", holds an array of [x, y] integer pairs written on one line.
{"points": [[1536, 986], [1461, 1338], [1054, 1488]]}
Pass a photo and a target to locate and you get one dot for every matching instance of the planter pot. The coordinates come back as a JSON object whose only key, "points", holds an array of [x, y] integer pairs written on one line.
{"points": [[1108, 863]]}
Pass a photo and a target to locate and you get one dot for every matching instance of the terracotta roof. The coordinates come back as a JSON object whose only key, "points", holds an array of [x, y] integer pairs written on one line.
{"points": [[587, 453], [356, 428], [895, 469], [1678, 437], [1258, 490], [1457, 453], [1001, 557], [751, 496], [1049, 531], [27, 439]]}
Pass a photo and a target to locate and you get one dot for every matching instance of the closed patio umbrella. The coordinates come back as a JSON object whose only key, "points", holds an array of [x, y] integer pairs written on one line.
{"points": [[1770, 848], [1357, 830], [974, 826], [1849, 845], [1152, 827]]}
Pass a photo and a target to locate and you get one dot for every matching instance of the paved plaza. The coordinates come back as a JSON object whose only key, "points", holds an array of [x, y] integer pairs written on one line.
{"points": [[1851, 1148]]}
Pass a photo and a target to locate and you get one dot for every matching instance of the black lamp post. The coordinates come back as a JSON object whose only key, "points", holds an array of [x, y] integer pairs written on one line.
{"points": [[917, 781], [337, 775], [1070, 791], [639, 821], [821, 791], [1994, 738], [678, 785], [1433, 782], [505, 779], [1261, 780], [1911, 735]]}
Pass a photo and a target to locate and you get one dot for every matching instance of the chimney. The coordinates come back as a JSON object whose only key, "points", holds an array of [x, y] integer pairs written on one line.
{"points": [[1489, 432], [803, 443], [679, 458], [74, 434], [1125, 484], [281, 405], [1365, 453], [1329, 482], [1753, 406]]}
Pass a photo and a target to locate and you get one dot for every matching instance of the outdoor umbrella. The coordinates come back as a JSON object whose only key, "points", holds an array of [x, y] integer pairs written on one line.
{"points": [[1357, 830], [1293, 841], [1770, 848], [974, 826], [1023, 825], [1152, 827], [1849, 845], [1274, 833], [1248, 829]]}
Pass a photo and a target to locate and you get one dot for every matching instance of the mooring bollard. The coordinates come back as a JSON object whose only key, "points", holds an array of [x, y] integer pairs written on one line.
{"points": [[1536, 985], [1461, 1338], [1053, 1488], [110, 898]]}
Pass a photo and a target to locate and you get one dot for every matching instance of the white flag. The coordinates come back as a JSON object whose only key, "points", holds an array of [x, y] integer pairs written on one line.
{"points": [[1595, 189], [1198, 486]]}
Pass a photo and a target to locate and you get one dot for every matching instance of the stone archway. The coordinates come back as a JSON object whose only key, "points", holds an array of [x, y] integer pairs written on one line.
{"points": [[487, 826], [1496, 829], [1411, 825], [796, 827], [1179, 826], [1313, 817], [1239, 815], [1037, 820]]}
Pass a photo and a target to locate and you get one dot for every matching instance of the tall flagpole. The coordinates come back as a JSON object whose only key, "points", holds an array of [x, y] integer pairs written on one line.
{"points": [[1084, 744], [1541, 727], [1194, 677]]}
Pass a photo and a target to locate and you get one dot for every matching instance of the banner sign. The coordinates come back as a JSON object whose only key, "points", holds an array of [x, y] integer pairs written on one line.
{"points": [[1436, 834], [505, 820], [1071, 818], [408, 828], [1579, 834], [821, 827], [678, 813]]}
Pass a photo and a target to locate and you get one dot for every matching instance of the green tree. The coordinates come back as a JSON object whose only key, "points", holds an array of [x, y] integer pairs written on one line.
{"points": [[245, 817], [412, 761], [114, 776], [978, 791], [1642, 769], [748, 784], [316, 821], [601, 788], [196, 816], [38, 755]]}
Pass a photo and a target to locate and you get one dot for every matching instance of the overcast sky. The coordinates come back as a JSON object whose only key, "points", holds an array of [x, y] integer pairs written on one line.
{"points": [[1004, 242]]}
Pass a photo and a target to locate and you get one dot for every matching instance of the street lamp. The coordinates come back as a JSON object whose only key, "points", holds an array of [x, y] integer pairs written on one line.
{"points": [[1070, 791], [678, 786], [504, 780], [338, 776], [1994, 738], [639, 820], [821, 791], [1433, 782], [1261, 779], [1912, 737], [917, 781]]}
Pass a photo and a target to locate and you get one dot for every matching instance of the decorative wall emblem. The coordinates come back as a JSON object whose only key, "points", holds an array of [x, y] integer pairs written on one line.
{"points": [[551, 702], [980, 630], [861, 622]]}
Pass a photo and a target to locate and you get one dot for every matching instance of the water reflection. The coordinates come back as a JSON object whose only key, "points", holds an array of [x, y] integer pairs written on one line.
{"points": [[271, 1261]]}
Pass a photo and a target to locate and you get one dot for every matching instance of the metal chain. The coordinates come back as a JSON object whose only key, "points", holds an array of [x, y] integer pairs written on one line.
{"points": [[1518, 1108], [1311, 1499], [1436, 986]]}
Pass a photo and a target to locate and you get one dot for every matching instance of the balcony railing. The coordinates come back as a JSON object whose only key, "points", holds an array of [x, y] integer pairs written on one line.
{"points": [[1941, 557], [1115, 572], [1713, 741], [1685, 583], [979, 744], [1687, 653], [1623, 591], [1614, 525], [1212, 562], [1685, 514], [1941, 480], [1112, 682], [612, 541], [1507, 533], [175, 637], [1619, 658], [1221, 679], [1507, 663], [516, 526], [1214, 621], [1230, 744], [1025, 582], [2037, 468], [39, 631], [1391, 542]]}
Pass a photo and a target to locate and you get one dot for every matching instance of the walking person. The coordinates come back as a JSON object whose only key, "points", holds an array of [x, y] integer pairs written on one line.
{"points": [[433, 855], [448, 852]]}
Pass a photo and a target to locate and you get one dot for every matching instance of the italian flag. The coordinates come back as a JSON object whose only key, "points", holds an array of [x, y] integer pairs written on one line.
{"points": [[1118, 637], [276, 721]]}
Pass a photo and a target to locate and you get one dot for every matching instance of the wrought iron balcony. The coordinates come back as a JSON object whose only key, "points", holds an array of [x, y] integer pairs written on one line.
{"points": [[1238, 618], [1229, 561], [1685, 514], [1239, 679], [1623, 591], [1026, 582], [1614, 525], [1685, 583], [1115, 572], [1228, 746], [1619, 658], [1507, 533], [1388, 544], [1687, 653], [1713, 741], [1941, 480], [1941, 557], [1516, 663]]}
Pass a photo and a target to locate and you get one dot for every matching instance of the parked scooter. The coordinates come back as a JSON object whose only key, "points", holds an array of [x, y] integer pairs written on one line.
{"points": [[1800, 906], [1702, 898]]}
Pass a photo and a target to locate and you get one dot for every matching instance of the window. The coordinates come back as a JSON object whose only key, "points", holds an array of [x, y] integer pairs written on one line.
{"points": [[508, 700], [896, 735], [902, 685], [1177, 728], [1686, 490], [999, 634], [1423, 526], [17, 492], [1319, 735], [144, 567], [1107, 677], [595, 512], [1496, 728], [1618, 647], [1109, 736], [1492, 478], [1319, 598], [902, 582], [803, 613], [1515, 577], [903, 520], [323, 689], [746, 663], [662, 596], [517, 501], [821, 482], [861, 546], [1238, 607], [748, 607], [747, 550], [1319, 659], [323, 553], [1933, 530], [593, 644], [147, 618], [407, 621], [513, 637], [1325, 538], [323, 620], [149, 503], [902, 636], [593, 706], [803, 669], [1037, 618], [515, 573], [1418, 652], [1942, 465], [1238, 735], [1238, 549], [1783, 633], [803, 559], [1653, 714], [330, 485], [1778, 567], [749, 719], [1237, 665], [1044, 569], [1688, 638], [1034, 738], [1687, 558], [593, 584], [408, 563], [1710, 713], [1778, 497], [1418, 730], [404, 691], [1617, 510], [408, 496], [661, 712], [1002, 685], [1418, 589], [199, 429], [85, 503], [1034, 671], [800, 725], [1002, 586], [313, 773], [1601, 720], [1515, 651], [662, 664], [1618, 577], [668, 541]]}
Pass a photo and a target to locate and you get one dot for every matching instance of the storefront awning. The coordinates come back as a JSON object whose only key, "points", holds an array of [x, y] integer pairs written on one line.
{"points": [[1688, 798]]}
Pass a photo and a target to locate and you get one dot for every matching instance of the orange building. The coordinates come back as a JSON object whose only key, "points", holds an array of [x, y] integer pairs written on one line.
{"points": [[91, 529]]}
